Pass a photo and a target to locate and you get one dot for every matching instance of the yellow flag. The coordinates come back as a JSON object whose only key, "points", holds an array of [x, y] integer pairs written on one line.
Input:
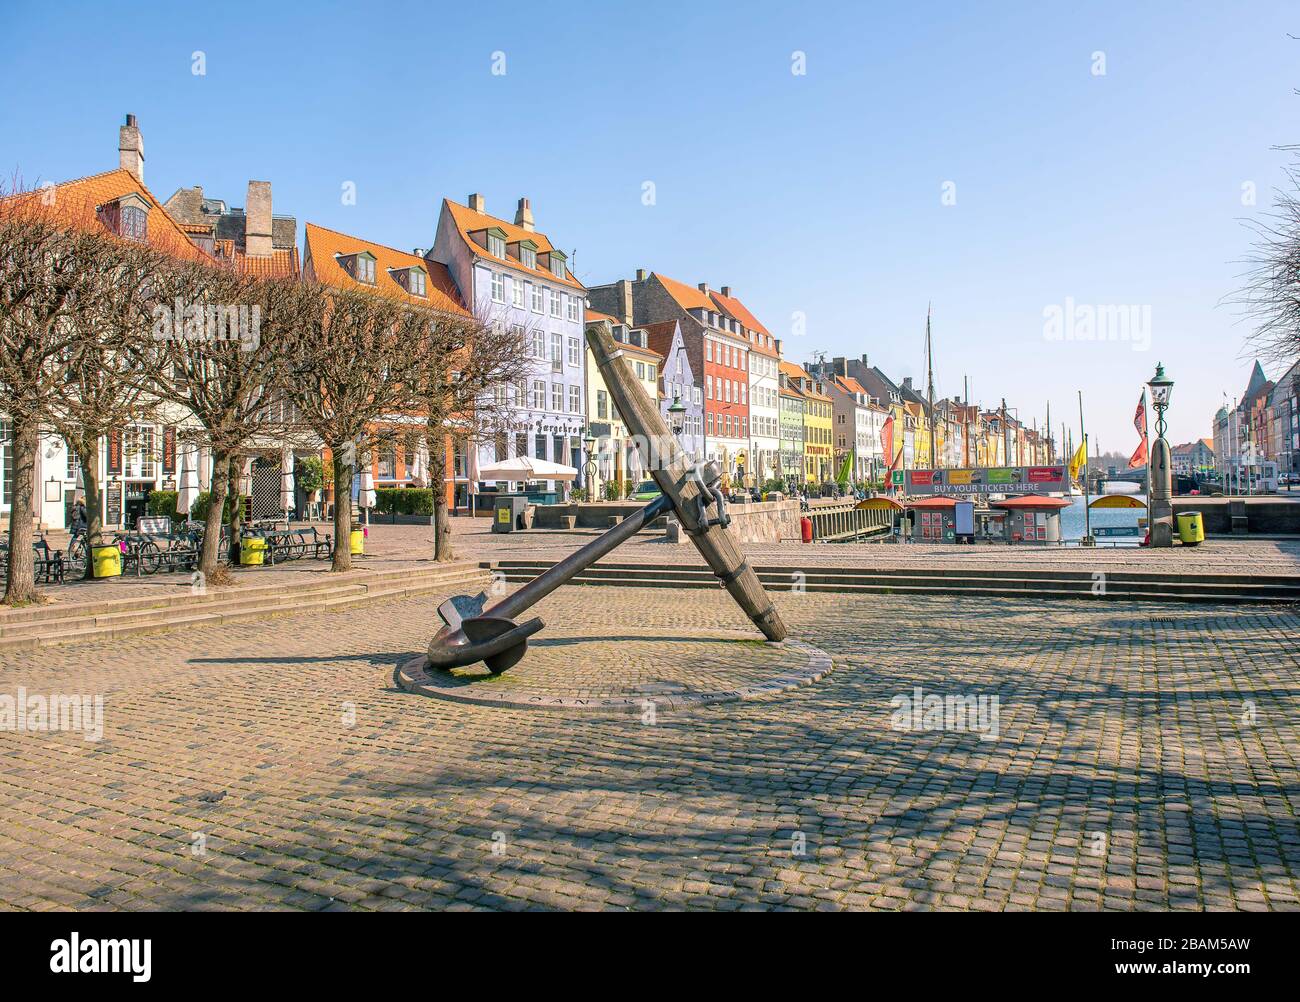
{"points": [[1077, 461]]}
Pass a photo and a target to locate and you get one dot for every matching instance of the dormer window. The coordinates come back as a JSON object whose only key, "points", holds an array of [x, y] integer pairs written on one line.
{"points": [[415, 281], [528, 253], [496, 243], [557, 264], [128, 217], [360, 266]]}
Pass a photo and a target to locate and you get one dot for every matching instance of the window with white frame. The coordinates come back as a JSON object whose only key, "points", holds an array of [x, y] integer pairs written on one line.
{"points": [[572, 308], [557, 397], [537, 399], [708, 387], [575, 399], [496, 245], [498, 287], [575, 351], [557, 265], [708, 351], [528, 256], [517, 291], [555, 303], [539, 344], [538, 294], [557, 351]]}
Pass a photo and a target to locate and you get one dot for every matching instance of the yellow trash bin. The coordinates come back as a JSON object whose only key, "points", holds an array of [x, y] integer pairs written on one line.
{"points": [[252, 551], [1191, 530], [106, 560], [357, 543]]}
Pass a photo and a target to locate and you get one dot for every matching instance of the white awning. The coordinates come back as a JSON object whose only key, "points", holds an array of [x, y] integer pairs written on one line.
{"points": [[525, 468]]}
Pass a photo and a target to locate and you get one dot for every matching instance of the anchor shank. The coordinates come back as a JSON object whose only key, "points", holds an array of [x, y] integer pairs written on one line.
{"points": [[671, 468], [578, 561]]}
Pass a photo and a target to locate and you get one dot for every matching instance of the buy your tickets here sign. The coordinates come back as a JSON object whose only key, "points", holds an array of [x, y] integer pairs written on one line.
{"points": [[987, 480]]}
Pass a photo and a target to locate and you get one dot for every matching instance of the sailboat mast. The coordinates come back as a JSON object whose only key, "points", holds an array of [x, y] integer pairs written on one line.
{"points": [[929, 381]]}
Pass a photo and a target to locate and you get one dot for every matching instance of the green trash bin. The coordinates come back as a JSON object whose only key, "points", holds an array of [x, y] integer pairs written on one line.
{"points": [[252, 551], [1191, 529]]}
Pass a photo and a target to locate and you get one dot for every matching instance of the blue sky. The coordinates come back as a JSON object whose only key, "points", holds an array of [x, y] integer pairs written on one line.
{"points": [[816, 194]]}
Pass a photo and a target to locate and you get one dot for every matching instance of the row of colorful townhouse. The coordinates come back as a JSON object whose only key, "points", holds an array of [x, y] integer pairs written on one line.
{"points": [[718, 372], [1261, 426]]}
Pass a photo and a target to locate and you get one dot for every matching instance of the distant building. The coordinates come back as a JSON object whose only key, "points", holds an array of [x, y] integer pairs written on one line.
{"points": [[1192, 458]]}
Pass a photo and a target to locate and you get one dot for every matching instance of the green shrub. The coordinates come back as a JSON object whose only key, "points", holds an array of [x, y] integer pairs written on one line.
{"points": [[419, 500], [163, 503], [404, 500], [310, 474]]}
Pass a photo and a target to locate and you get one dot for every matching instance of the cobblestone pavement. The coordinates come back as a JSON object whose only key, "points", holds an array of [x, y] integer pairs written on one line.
{"points": [[1145, 758]]}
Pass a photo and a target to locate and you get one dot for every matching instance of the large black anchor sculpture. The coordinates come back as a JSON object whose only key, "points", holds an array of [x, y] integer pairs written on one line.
{"points": [[475, 631]]}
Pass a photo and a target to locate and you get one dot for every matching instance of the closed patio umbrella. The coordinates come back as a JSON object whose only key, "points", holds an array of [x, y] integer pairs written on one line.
{"points": [[286, 483], [189, 482], [366, 496]]}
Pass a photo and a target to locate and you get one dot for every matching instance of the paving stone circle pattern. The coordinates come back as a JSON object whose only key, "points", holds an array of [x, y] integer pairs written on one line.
{"points": [[568, 670]]}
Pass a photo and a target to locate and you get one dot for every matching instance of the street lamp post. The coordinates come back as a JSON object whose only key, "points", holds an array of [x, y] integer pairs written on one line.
{"points": [[1159, 474], [589, 468]]}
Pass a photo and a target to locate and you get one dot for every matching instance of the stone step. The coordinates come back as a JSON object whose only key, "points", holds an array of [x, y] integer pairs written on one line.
{"points": [[1134, 588], [183, 596], [1028, 574], [231, 610]]}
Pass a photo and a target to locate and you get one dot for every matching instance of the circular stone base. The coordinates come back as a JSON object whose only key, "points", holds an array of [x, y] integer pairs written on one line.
{"points": [[629, 673]]}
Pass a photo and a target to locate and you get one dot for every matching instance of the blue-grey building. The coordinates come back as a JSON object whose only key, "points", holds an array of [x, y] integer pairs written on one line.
{"points": [[511, 274]]}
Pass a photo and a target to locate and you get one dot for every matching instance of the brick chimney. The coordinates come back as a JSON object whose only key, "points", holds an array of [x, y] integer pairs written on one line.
{"points": [[640, 274], [726, 291], [478, 203], [524, 215], [130, 148], [257, 219], [623, 290], [703, 287]]}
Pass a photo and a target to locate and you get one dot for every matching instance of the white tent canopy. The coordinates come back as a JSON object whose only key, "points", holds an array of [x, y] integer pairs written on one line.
{"points": [[525, 468]]}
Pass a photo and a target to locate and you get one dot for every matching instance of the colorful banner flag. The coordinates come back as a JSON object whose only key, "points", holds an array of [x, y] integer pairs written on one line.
{"points": [[1140, 455], [1078, 461]]}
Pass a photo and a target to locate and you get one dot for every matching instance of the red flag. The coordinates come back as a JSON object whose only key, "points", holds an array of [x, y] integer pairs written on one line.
{"points": [[1140, 456]]}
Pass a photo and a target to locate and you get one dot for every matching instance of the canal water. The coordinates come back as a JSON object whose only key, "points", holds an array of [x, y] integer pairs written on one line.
{"points": [[1072, 521]]}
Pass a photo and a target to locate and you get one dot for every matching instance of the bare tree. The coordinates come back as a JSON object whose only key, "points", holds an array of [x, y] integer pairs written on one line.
{"points": [[104, 386], [219, 346], [49, 275], [466, 396], [1269, 299], [354, 363]]}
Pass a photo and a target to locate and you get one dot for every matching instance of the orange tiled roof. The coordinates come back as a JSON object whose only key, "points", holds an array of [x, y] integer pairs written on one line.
{"points": [[792, 371], [468, 221], [593, 315], [687, 296], [76, 203], [323, 244], [734, 308], [660, 335], [851, 385], [283, 262]]}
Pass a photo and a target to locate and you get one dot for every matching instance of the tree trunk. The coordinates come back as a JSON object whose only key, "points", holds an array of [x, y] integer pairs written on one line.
{"points": [[443, 551], [20, 586], [342, 511], [237, 507], [217, 502], [88, 453]]}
